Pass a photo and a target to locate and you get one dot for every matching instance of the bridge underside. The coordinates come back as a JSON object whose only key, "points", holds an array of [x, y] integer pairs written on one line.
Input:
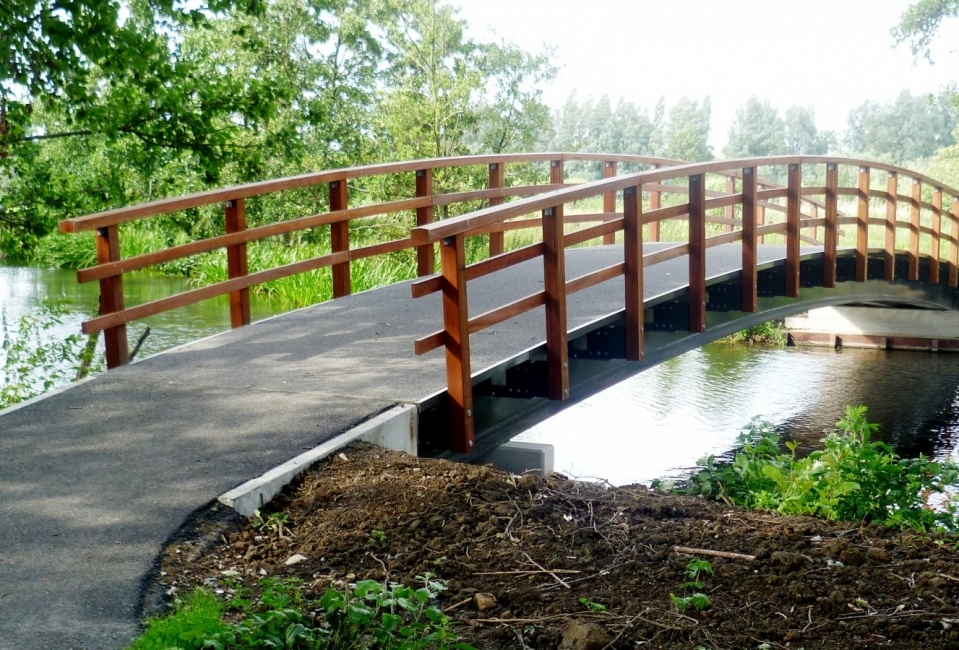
{"points": [[511, 396]]}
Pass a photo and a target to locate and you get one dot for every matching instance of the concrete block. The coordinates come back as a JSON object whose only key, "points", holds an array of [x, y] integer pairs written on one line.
{"points": [[394, 429], [521, 457]]}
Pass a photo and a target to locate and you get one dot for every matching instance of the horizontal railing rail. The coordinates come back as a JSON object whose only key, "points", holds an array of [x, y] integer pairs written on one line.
{"points": [[744, 202], [236, 236]]}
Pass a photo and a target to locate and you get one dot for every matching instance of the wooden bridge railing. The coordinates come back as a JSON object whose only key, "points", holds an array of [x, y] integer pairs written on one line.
{"points": [[111, 267], [742, 202]]}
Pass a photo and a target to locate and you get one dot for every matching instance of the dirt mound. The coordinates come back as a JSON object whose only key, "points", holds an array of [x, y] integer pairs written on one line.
{"points": [[539, 557]]}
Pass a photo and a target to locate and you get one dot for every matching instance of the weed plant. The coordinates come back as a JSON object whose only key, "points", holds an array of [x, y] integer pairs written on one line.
{"points": [[367, 615], [853, 478], [692, 589]]}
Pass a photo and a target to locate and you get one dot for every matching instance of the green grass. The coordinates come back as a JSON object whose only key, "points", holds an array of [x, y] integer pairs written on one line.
{"points": [[196, 618]]}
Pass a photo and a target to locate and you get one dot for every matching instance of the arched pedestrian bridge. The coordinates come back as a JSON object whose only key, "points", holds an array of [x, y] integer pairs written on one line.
{"points": [[742, 249], [546, 290]]}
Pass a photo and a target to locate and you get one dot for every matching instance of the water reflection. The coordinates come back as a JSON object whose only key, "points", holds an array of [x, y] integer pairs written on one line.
{"points": [[660, 422]]}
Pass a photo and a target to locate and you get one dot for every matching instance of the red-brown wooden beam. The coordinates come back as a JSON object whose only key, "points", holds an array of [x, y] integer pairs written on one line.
{"points": [[237, 263], [889, 228], [793, 207], [497, 178], [557, 174], [111, 296], [554, 277], [862, 226], [954, 251], [655, 203], [633, 257], [729, 210], [456, 326], [425, 254], [749, 274], [340, 239], [760, 213], [609, 199], [914, 214], [831, 234], [935, 249], [697, 254]]}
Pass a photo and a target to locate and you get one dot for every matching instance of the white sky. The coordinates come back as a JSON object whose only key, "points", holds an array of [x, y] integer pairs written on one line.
{"points": [[829, 54]]}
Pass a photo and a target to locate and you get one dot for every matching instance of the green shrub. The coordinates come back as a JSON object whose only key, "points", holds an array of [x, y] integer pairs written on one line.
{"points": [[853, 478]]}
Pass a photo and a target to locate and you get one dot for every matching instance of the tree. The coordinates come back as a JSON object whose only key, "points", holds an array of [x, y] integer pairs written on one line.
{"points": [[907, 129], [757, 130], [920, 22], [687, 134], [802, 136]]}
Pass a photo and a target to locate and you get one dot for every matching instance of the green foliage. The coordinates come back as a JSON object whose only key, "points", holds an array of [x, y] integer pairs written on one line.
{"points": [[920, 22], [592, 606], [853, 478], [369, 615], [768, 333], [34, 358], [274, 523], [196, 618], [692, 588]]}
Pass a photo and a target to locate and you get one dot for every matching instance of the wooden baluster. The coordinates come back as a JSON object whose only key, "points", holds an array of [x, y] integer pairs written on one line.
{"points": [[456, 325], [697, 254], [496, 181], [609, 198], [760, 213], [831, 235], [889, 245], [111, 296], [862, 226], [557, 174], [750, 277], [914, 214], [633, 257], [728, 211], [554, 276], [655, 203], [954, 252], [935, 248], [237, 263], [340, 238], [793, 206], [425, 254]]}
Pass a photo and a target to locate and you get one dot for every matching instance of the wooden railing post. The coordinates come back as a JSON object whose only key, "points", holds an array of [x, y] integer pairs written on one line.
{"points": [[425, 254], [793, 207], [456, 327], [557, 174], [750, 278], [554, 277], [954, 251], [340, 239], [760, 213], [862, 226], [728, 211], [111, 296], [633, 258], [497, 178], [935, 248], [889, 229], [237, 263], [655, 203], [914, 214], [609, 198], [697, 254], [831, 234]]}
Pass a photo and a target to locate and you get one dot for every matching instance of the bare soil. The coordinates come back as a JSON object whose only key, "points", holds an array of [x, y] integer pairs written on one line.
{"points": [[539, 546]]}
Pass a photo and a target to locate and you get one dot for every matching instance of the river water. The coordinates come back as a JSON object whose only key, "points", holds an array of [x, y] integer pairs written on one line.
{"points": [[655, 425]]}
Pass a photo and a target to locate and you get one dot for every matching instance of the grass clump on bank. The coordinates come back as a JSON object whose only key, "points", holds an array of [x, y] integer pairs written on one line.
{"points": [[366, 615], [853, 478]]}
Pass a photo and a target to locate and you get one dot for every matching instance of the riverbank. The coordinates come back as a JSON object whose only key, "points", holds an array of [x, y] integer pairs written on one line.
{"points": [[579, 566]]}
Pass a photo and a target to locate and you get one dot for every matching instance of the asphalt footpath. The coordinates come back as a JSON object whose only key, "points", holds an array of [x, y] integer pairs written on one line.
{"points": [[94, 479]]}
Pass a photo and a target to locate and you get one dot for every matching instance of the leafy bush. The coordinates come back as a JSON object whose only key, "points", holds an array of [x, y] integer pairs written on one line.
{"points": [[853, 478], [34, 359], [370, 615]]}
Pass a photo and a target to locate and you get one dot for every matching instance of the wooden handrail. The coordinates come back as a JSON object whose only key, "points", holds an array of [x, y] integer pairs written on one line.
{"points": [[751, 199]]}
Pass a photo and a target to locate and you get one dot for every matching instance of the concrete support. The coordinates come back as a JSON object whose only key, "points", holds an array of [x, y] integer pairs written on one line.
{"points": [[874, 327], [521, 458]]}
